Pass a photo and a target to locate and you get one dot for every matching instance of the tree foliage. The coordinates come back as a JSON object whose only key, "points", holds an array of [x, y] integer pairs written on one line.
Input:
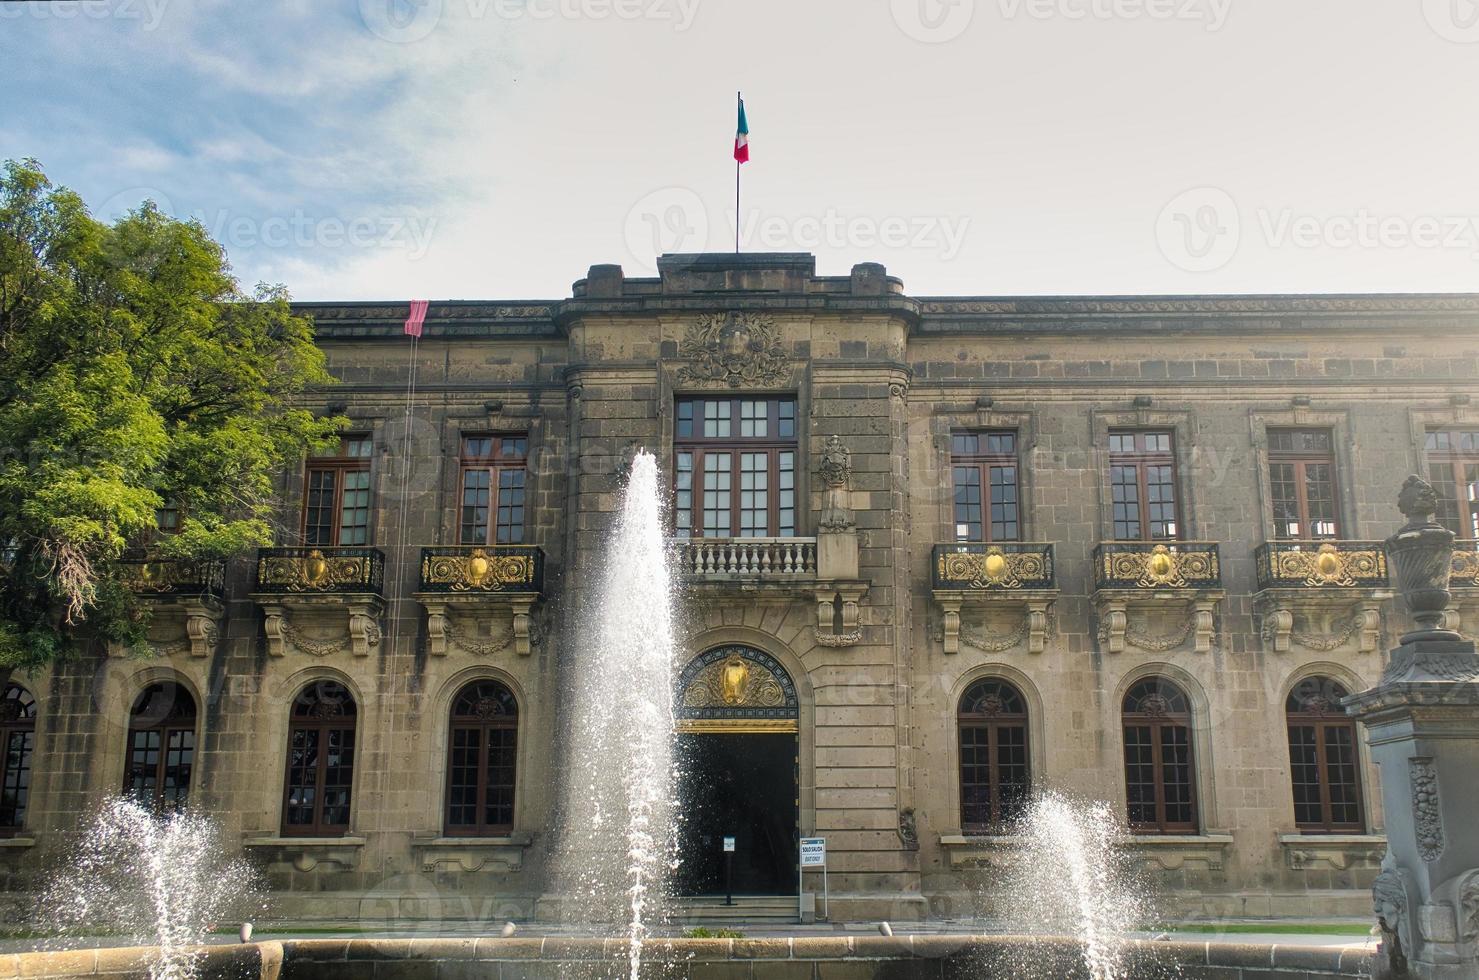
{"points": [[134, 372]]}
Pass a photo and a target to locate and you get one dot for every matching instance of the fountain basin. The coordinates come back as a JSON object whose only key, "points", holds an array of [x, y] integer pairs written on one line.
{"points": [[857, 958]]}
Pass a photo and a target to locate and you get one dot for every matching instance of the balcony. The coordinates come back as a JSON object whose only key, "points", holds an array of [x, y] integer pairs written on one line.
{"points": [[307, 594], [1465, 586], [758, 559], [1322, 595], [319, 571], [993, 597], [1157, 595], [185, 601], [479, 599]]}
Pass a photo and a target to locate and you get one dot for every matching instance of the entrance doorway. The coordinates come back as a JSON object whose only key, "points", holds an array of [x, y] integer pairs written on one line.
{"points": [[737, 718], [741, 786]]}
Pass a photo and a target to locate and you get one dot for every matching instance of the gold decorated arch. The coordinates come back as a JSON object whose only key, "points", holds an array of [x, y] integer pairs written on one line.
{"points": [[736, 689]]}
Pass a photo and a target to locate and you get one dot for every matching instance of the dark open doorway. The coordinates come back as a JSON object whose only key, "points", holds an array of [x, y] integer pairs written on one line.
{"points": [[741, 786]]}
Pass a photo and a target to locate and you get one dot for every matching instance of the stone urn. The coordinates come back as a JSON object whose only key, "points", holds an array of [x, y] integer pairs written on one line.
{"points": [[1421, 557]]}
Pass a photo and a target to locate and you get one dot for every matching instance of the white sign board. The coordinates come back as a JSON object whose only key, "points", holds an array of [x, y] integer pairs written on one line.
{"points": [[813, 852], [729, 845]]}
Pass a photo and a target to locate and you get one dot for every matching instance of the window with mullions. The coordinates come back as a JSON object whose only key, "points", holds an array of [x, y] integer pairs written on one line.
{"points": [[1301, 477], [494, 482], [1160, 771], [735, 468], [320, 761], [481, 760], [1453, 469], [161, 747], [336, 508], [1323, 761], [18, 742], [1142, 486], [983, 472], [995, 779]]}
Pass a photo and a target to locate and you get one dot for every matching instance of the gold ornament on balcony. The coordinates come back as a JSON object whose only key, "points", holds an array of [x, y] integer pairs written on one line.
{"points": [[1161, 570], [315, 568], [994, 568], [479, 570]]}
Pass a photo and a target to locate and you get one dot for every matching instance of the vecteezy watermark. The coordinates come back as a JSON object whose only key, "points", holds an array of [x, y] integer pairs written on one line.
{"points": [[409, 233], [1200, 230], [148, 12], [672, 219], [405, 21], [1453, 20], [833, 229], [1211, 13], [933, 21]]}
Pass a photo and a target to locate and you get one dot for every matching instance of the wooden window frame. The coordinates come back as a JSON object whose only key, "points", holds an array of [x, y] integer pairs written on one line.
{"points": [[1315, 712], [497, 722], [993, 723], [495, 463], [321, 724], [1453, 461], [772, 445], [983, 463], [341, 464], [1142, 459], [1158, 723], [175, 722], [17, 719], [1301, 460]]}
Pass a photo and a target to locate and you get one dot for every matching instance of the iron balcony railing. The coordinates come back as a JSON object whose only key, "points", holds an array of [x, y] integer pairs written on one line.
{"points": [[1321, 565], [1008, 566], [762, 558], [169, 577], [1153, 565], [474, 569], [1465, 565], [315, 571]]}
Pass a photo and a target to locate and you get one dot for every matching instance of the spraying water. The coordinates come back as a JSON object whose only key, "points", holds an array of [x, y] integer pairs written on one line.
{"points": [[618, 838], [162, 880], [1070, 878]]}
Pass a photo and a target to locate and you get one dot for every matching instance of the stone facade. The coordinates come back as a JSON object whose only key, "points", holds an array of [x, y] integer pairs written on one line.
{"points": [[879, 650]]}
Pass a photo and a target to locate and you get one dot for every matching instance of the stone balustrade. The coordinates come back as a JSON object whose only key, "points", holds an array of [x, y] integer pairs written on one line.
{"points": [[707, 559]]}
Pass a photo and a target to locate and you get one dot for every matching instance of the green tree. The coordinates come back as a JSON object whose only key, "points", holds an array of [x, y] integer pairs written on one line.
{"points": [[134, 373]]}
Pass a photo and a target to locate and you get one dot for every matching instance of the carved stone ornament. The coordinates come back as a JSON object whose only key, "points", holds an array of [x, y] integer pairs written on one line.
{"points": [[482, 629], [734, 349], [1157, 627], [836, 465], [1321, 626], [1427, 812], [1392, 902], [1469, 909], [908, 829], [1421, 555], [362, 633], [734, 682]]}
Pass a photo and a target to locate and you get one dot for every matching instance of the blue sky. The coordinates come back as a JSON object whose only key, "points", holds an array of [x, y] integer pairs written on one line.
{"points": [[369, 149]]}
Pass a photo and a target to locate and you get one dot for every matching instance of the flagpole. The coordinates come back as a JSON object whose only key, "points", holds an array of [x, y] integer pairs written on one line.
{"points": [[741, 97]]}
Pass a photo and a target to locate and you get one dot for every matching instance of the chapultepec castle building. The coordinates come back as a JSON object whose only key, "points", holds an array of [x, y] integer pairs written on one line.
{"points": [[935, 554]]}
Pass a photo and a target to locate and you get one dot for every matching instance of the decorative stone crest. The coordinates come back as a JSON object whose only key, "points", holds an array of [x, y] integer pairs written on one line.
{"points": [[836, 465], [1426, 811], [908, 829], [735, 349], [835, 470]]}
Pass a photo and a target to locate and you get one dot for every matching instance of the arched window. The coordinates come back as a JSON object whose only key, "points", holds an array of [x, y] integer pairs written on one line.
{"points": [[481, 754], [161, 747], [1160, 770], [1323, 760], [320, 761], [995, 776], [18, 739]]}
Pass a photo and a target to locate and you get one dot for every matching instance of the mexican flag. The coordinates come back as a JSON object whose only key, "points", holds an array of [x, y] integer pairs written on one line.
{"points": [[742, 137]]}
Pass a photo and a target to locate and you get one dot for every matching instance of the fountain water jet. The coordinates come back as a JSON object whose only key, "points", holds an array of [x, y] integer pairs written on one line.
{"points": [[617, 827], [1070, 877], [161, 879]]}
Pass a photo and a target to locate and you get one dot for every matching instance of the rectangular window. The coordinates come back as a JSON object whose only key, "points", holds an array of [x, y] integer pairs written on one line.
{"points": [[1301, 476], [1142, 486], [734, 472], [336, 507], [494, 482], [1453, 470], [983, 468]]}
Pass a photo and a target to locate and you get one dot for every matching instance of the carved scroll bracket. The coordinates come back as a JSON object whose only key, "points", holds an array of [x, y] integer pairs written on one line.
{"points": [[838, 613], [1321, 622], [181, 625], [995, 622], [286, 618], [507, 620], [1157, 621]]}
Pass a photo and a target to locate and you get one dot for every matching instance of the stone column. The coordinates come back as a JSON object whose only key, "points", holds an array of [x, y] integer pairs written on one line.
{"points": [[1422, 722]]}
